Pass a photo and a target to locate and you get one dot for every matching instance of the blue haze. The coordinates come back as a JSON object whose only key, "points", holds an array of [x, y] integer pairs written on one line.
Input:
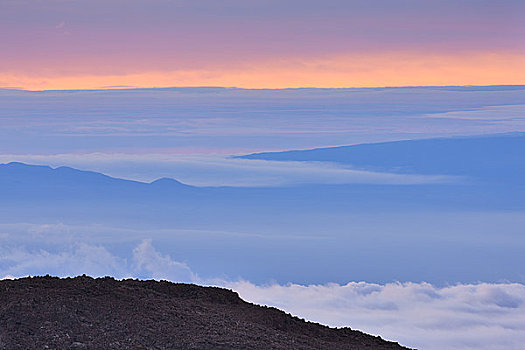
{"points": [[465, 231], [226, 121], [392, 219]]}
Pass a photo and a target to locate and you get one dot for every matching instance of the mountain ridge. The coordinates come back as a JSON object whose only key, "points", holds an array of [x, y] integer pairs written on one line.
{"points": [[485, 156], [87, 313], [46, 170]]}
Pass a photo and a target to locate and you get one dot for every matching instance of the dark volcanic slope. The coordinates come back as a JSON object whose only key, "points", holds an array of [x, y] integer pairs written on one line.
{"points": [[87, 313]]}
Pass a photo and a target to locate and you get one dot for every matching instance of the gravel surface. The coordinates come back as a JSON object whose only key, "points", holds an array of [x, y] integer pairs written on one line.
{"points": [[86, 313]]}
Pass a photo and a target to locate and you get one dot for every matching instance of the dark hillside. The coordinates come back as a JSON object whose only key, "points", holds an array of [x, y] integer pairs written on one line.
{"points": [[87, 313]]}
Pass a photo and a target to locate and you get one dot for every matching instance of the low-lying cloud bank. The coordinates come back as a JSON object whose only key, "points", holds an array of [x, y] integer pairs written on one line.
{"points": [[95, 260], [420, 315], [206, 170], [463, 316]]}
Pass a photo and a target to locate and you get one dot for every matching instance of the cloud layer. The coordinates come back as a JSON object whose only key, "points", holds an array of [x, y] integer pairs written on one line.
{"points": [[236, 121], [223, 171], [420, 315], [463, 316], [93, 259]]}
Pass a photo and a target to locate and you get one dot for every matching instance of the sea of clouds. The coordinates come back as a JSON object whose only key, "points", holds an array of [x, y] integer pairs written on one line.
{"points": [[219, 170], [419, 315]]}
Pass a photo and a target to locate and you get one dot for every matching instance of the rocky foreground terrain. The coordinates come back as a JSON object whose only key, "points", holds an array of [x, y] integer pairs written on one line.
{"points": [[87, 313]]}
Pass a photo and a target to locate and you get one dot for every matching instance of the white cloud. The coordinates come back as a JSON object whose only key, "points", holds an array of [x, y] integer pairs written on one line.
{"points": [[464, 316], [161, 267], [513, 115], [95, 260], [75, 260], [217, 170]]}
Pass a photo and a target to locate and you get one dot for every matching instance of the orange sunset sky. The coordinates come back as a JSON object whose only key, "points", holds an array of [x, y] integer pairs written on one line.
{"points": [[271, 44]]}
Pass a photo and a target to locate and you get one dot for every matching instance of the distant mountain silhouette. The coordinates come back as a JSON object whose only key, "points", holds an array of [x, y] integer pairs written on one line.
{"points": [[492, 170], [18, 172], [18, 179], [491, 157]]}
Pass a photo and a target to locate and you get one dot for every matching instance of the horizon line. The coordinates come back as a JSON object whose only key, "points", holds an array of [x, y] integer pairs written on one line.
{"points": [[116, 88]]}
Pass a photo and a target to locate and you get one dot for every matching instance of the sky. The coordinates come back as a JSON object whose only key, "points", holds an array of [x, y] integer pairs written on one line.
{"points": [[80, 44]]}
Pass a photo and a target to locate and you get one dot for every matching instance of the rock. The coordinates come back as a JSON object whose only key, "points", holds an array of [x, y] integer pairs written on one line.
{"points": [[87, 313]]}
